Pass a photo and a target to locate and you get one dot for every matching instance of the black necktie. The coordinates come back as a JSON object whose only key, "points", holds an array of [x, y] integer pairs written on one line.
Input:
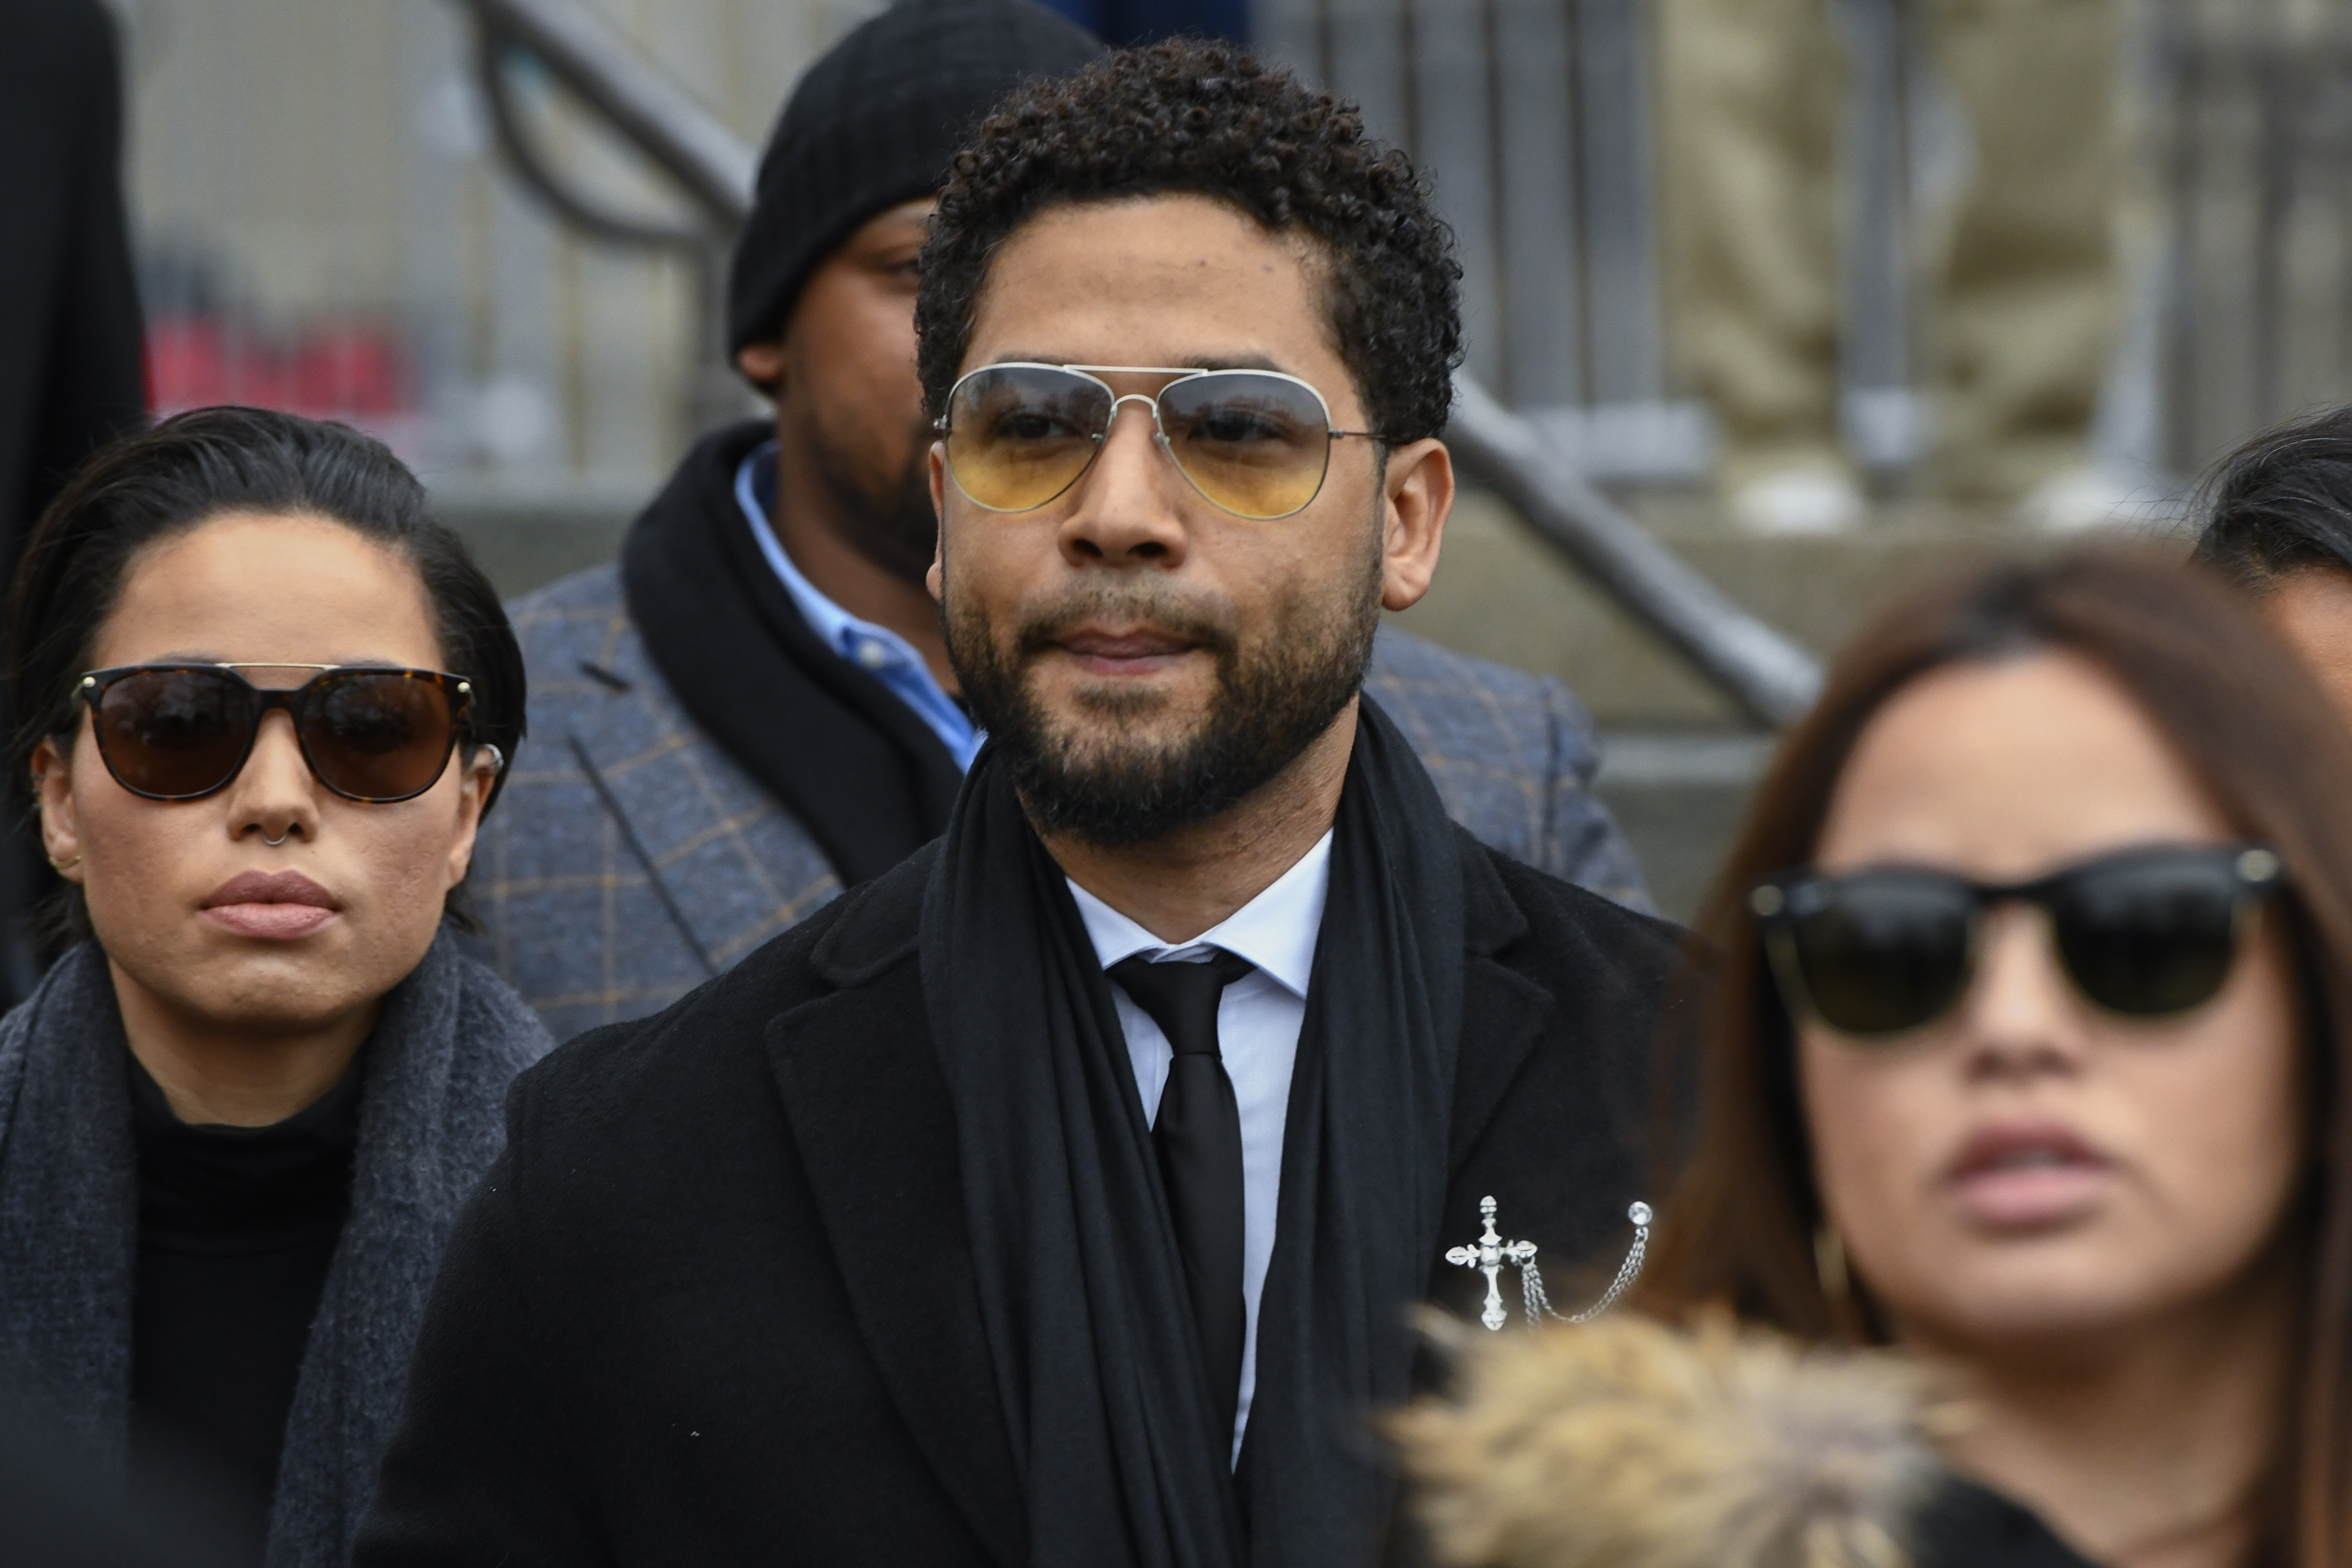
{"points": [[1198, 1136]]}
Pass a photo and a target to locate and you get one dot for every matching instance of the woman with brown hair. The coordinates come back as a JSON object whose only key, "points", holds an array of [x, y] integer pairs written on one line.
{"points": [[2029, 1049]]}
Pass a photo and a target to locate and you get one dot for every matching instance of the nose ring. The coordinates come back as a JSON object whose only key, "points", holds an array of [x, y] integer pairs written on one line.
{"points": [[281, 838]]}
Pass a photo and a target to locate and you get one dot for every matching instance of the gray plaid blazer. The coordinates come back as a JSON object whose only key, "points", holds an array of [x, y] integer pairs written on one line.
{"points": [[630, 858]]}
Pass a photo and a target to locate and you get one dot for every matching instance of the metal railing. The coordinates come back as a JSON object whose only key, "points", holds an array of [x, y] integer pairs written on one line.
{"points": [[1771, 678], [661, 118], [2254, 105], [1768, 675]]}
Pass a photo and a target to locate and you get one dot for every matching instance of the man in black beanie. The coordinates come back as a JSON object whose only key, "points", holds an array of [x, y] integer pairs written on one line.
{"points": [[755, 710]]}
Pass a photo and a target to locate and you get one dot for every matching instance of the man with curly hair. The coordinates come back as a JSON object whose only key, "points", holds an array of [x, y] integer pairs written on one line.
{"points": [[754, 709], [1063, 1197]]}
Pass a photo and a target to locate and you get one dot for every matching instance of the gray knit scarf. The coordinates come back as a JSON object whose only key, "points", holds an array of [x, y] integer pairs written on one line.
{"points": [[450, 1039]]}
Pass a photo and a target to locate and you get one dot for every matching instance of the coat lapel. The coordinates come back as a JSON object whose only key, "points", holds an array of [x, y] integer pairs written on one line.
{"points": [[1546, 1120], [1503, 1011], [848, 1063], [669, 790]]}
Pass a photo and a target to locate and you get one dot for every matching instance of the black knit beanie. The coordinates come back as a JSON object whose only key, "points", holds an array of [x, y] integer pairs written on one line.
{"points": [[872, 124]]}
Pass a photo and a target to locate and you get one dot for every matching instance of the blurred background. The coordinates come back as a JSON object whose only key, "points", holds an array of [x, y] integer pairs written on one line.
{"points": [[382, 212]]}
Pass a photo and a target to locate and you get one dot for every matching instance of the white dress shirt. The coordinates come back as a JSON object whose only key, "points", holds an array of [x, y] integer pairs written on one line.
{"points": [[1258, 1021]]}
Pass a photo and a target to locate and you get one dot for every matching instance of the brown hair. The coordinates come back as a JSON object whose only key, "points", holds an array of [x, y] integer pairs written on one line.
{"points": [[2253, 726]]}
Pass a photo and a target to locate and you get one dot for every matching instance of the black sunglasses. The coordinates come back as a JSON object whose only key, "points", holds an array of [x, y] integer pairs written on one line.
{"points": [[182, 731], [2143, 933]]}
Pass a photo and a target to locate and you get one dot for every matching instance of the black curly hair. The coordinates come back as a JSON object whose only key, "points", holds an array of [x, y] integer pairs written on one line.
{"points": [[1199, 117]]}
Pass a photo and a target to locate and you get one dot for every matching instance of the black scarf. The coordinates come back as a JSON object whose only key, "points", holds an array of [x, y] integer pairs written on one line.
{"points": [[868, 778], [1080, 1285], [449, 1041]]}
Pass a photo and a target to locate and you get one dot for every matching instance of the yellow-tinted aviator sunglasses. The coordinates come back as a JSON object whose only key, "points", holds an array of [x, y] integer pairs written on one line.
{"points": [[1256, 443]]}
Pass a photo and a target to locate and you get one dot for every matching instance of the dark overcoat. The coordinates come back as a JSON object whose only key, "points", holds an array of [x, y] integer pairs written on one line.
{"points": [[71, 360], [716, 1302], [70, 374]]}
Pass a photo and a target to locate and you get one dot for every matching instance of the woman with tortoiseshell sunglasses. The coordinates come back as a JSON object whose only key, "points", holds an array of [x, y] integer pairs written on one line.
{"points": [[262, 703]]}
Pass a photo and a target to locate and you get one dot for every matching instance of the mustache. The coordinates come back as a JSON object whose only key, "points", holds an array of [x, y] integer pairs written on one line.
{"points": [[1147, 604]]}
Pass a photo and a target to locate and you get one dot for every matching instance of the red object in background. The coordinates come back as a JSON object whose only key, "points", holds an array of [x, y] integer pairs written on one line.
{"points": [[357, 372]]}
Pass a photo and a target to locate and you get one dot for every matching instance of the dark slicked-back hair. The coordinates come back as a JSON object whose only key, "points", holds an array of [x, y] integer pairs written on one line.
{"points": [[1197, 118], [2281, 503], [198, 466]]}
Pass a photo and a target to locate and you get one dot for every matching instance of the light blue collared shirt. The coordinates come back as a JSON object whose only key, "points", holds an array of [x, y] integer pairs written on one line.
{"points": [[1258, 1021], [878, 650]]}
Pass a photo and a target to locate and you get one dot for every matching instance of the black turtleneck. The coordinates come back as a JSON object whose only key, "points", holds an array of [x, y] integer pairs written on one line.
{"points": [[237, 1227]]}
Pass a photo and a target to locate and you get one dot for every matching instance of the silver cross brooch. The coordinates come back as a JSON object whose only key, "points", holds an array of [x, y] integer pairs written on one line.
{"points": [[1490, 1252]]}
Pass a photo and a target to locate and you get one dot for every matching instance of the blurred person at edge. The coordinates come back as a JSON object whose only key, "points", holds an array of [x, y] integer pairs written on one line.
{"points": [[753, 709], [70, 374], [2278, 522], [2084, 1152], [2021, 263], [237, 1117]]}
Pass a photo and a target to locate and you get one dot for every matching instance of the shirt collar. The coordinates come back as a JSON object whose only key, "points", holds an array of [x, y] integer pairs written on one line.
{"points": [[1276, 931]]}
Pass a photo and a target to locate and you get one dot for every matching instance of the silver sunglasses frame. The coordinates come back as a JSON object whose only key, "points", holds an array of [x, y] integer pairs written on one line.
{"points": [[944, 426]]}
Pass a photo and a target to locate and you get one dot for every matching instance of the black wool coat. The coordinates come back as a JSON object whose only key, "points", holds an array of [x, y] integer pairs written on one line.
{"points": [[715, 1303]]}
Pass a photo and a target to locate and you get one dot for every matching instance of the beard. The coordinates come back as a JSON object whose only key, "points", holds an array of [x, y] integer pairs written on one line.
{"points": [[1098, 775], [895, 528]]}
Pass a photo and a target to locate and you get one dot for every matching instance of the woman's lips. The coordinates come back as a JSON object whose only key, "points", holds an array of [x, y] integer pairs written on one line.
{"points": [[2028, 1175], [273, 905]]}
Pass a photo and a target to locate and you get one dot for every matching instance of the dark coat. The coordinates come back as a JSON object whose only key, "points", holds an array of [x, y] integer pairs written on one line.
{"points": [[1967, 1526], [70, 328], [715, 1303], [71, 361]]}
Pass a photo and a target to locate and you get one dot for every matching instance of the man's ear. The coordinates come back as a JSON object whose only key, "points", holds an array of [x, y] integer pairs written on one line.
{"points": [[936, 578], [762, 364], [1417, 497]]}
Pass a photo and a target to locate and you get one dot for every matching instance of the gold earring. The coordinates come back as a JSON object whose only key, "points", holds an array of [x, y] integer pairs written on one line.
{"points": [[62, 866]]}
